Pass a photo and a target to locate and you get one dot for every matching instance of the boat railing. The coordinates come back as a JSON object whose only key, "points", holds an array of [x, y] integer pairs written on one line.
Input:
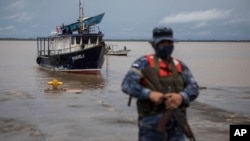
{"points": [[46, 47]]}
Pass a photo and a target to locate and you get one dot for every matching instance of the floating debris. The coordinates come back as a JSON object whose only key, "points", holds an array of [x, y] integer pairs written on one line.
{"points": [[76, 91], [55, 88], [55, 83], [202, 88]]}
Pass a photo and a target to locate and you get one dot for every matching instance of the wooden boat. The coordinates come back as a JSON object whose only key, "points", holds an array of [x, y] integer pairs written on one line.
{"points": [[75, 48], [111, 51]]}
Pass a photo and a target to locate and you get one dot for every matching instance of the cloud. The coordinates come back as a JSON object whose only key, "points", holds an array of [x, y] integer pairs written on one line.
{"points": [[19, 4], [239, 19], [201, 17], [127, 29], [20, 17], [7, 28], [18, 13]]}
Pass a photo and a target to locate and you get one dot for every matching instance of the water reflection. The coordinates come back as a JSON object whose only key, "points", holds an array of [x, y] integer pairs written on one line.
{"points": [[72, 81]]}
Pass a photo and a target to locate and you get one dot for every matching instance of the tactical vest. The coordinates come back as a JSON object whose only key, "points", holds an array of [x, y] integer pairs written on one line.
{"points": [[170, 78]]}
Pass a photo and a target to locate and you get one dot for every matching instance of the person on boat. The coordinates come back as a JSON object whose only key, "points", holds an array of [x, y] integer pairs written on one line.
{"points": [[125, 48], [173, 75]]}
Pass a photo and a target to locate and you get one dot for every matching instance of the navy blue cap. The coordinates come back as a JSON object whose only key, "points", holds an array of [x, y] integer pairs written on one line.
{"points": [[162, 33]]}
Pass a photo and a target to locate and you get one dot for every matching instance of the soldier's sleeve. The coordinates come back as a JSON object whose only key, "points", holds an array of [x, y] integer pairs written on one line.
{"points": [[191, 88], [131, 82]]}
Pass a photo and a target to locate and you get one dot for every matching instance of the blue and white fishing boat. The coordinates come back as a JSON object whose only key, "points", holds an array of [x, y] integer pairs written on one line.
{"points": [[76, 48]]}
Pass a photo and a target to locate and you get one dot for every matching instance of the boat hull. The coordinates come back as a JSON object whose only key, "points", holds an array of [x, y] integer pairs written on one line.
{"points": [[85, 61]]}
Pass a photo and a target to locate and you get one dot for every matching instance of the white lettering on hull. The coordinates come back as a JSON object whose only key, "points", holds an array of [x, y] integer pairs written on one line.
{"points": [[77, 57]]}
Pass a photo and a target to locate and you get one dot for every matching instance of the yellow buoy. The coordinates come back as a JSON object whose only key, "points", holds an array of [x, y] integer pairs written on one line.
{"points": [[55, 83]]}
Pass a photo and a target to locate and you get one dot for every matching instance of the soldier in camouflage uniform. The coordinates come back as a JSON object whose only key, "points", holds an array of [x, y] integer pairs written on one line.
{"points": [[165, 65]]}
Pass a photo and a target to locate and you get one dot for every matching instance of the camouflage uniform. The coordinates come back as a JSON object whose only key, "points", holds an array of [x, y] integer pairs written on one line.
{"points": [[147, 125]]}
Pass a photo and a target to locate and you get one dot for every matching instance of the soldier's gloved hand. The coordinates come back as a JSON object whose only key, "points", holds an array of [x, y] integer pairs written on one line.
{"points": [[173, 100], [156, 97]]}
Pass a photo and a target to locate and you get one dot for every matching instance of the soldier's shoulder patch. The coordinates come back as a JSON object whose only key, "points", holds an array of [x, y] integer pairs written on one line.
{"points": [[135, 65]]}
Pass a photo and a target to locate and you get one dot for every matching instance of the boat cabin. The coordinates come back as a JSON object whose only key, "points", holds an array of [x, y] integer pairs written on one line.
{"points": [[67, 43]]}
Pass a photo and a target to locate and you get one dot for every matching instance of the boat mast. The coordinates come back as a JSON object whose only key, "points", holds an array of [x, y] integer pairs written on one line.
{"points": [[81, 10], [81, 14]]}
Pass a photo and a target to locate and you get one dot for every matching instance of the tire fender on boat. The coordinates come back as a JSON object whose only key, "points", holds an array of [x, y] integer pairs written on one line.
{"points": [[38, 60]]}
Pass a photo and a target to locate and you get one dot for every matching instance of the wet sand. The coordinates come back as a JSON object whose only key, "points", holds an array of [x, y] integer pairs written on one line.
{"points": [[90, 116]]}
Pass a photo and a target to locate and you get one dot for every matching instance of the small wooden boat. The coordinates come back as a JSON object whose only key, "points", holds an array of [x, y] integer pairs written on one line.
{"points": [[111, 51]]}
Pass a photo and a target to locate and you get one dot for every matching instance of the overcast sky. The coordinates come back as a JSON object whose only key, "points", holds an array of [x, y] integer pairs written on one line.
{"points": [[130, 19]]}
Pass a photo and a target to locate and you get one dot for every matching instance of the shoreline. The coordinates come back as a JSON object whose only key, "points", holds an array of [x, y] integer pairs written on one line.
{"points": [[130, 40]]}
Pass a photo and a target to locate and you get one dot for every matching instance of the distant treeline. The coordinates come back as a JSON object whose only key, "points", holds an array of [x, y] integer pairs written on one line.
{"points": [[133, 40], [190, 40], [18, 39]]}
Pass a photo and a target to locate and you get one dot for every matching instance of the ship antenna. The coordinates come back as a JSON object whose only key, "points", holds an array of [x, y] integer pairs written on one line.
{"points": [[83, 9], [81, 14], [80, 9]]}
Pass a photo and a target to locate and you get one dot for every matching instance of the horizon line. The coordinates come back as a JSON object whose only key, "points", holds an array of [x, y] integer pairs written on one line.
{"points": [[180, 40]]}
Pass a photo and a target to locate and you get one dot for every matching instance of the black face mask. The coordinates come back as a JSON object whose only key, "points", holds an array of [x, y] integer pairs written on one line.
{"points": [[164, 52]]}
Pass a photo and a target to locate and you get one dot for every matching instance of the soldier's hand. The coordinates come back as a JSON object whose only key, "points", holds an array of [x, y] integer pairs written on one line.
{"points": [[173, 100], [156, 97]]}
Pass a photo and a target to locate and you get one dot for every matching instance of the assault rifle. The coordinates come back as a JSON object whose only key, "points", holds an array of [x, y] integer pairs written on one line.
{"points": [[154, 82]]}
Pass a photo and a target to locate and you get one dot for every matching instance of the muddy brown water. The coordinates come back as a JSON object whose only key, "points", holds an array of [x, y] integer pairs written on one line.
{"points": [[100, 112]]}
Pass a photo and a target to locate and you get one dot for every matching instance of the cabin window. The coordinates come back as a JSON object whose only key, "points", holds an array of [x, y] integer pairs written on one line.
{"points": [[84, 40], [93, 39], [78, 40], [72, 40]]}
